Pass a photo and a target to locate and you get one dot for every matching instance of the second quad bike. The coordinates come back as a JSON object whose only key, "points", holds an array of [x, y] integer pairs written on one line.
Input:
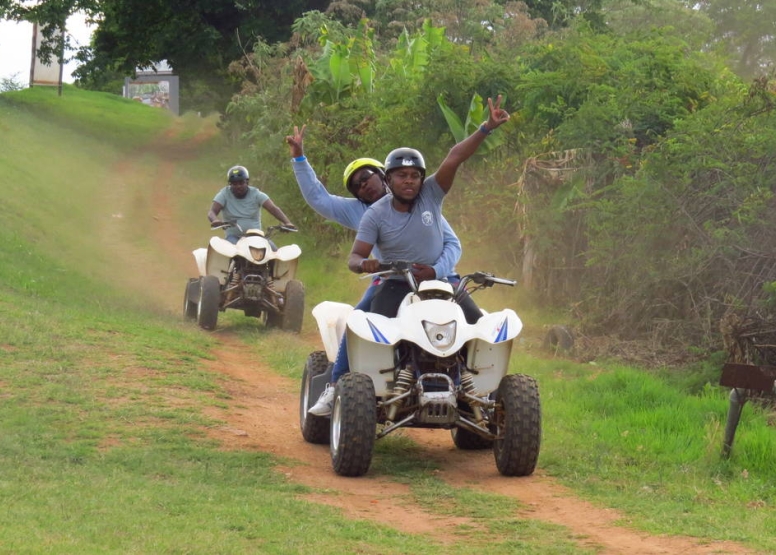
{"points": [[253, 275], [425, 368]]}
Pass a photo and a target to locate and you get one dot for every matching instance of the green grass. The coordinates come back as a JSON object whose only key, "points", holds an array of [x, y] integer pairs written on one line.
{"points": [[631, 440], [102, 116], [103, 389]]}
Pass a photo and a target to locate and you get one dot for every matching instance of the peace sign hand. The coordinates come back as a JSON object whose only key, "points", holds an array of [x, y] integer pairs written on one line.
{"points": [[296, 142], [497, 114]]}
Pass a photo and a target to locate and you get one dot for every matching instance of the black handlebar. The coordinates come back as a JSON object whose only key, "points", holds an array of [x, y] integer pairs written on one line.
{"points": [[271, 230], [481, 279]]}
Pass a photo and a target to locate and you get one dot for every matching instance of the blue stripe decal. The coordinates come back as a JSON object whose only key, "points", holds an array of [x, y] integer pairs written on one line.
{"points": [[502, 333], [378, 337]]}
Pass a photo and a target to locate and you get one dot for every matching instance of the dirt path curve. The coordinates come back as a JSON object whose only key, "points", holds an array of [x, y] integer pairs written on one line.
{"points": [[262, 414]]}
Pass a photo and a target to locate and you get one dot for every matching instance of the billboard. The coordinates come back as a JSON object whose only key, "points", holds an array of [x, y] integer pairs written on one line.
{"points": [[46, 72], [155, 89], [150, 93]]}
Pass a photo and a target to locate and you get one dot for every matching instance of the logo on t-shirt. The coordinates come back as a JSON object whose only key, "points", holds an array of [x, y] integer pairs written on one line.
{"points": [[427, 218]]}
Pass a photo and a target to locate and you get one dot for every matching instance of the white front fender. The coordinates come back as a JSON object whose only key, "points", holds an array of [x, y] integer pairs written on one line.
{"points": [[497, 327], [214, 259], [331, 318], [288, 252], [223, 247], [374, 328], [200, 257]]}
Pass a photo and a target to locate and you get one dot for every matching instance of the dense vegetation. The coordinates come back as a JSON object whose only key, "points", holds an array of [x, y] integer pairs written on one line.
{"points": [[634, 183]]}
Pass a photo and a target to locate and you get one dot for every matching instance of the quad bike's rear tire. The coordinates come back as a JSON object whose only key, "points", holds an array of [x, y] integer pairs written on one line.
{"points": [[353, 424], [252, 312], [209, 300], [272, 319], [315, 429], [469, 441], [190, 299], [293, 308], [518, 419]]}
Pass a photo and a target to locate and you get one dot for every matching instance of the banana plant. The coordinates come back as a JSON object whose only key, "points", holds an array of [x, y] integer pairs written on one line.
{"points": [[344, 67], [410, 57], [349, 66], [475, 116]]}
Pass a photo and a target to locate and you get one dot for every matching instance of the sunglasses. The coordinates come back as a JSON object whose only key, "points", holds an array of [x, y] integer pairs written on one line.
{"points": [[365, 176]]}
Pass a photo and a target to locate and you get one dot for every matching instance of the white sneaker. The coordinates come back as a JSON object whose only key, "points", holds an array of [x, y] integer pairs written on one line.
{"points": [[325, 402]]}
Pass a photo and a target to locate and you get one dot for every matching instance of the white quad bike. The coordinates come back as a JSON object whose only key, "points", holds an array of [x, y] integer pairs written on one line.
{"points": [[425, 368], [253, 276]]}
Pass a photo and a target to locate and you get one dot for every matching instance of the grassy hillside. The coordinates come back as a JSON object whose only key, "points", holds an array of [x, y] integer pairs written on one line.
{"points": [[105, 393], [97, 459]]}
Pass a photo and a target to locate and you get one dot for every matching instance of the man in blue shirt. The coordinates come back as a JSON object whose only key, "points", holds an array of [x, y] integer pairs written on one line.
{"points": [[241, 205]]}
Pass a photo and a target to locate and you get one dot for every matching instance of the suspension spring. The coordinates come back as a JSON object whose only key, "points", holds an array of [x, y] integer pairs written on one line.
{"points": [[403, 381], [403, 384], [467, 383]]}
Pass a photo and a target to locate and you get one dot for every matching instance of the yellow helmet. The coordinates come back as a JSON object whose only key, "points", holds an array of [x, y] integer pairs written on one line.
{"points": [[356, 165]]}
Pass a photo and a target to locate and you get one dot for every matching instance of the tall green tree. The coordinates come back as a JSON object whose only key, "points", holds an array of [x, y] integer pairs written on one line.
{"points": [[746, 29], [687, 22], [691, 234], [197, 38]]}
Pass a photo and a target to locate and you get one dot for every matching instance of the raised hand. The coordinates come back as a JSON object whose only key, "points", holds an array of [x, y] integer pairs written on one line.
{"points": [[497, 115], [296, 142]]}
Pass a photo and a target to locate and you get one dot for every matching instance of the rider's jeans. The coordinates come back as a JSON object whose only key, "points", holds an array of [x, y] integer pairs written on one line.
{"points": [[341, 365]]}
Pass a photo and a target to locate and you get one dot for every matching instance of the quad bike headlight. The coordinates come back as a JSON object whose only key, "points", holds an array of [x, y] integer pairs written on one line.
{"points": [[257, 254], [441, 336]]}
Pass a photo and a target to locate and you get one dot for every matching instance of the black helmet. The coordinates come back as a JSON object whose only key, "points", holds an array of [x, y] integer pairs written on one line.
{"points": [[237, 173], [405, 158]]}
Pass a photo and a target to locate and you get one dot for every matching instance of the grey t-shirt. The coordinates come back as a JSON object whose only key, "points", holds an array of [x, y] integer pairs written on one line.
{"points": [[245, 212], [349, 211], [414, 236]]}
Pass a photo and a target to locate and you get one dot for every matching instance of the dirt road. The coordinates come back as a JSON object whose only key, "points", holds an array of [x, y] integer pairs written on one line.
{"points": [[263, 415]]}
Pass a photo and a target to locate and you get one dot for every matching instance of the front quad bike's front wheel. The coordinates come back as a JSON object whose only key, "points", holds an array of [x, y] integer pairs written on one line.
{"points": [[209, 300], [519, 421], [293, 308], [315, 429], [353, 424], [190, 299]]}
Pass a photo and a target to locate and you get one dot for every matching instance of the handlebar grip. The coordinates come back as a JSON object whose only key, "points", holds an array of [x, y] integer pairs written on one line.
{"points": [[487, 279]]}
